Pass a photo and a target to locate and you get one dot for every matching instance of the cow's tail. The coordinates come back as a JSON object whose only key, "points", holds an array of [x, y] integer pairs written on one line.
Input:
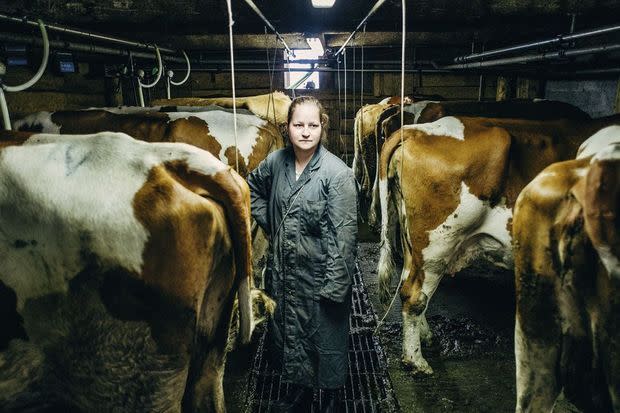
{"points": [[239, 220], [374, 213], [231, 191], [357, 158], [389, 218]]}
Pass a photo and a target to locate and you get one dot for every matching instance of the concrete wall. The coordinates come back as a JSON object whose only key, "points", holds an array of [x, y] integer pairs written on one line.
{"points": [[595, 97]]}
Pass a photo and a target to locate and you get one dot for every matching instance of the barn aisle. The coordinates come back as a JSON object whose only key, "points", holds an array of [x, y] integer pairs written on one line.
{"points": [[368, 388]]}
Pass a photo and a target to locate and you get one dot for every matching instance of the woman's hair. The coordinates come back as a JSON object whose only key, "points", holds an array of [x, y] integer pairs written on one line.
{"points": [[300, 100]]}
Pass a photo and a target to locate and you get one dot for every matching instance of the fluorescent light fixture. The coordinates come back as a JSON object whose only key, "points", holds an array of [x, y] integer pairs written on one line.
{"points": [[316, 46], [323, 4]]}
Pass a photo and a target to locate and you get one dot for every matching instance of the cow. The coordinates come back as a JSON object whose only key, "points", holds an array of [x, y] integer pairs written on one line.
{"points": [[567, 272], [271, 106], [119, 264], [212, 130], [128, 110], [536, 109], [365, 147], [446, 196], [429, 111]]}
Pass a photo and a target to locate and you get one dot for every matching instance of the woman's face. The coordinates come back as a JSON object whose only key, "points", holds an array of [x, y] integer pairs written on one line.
{"points": [[304, 129]]}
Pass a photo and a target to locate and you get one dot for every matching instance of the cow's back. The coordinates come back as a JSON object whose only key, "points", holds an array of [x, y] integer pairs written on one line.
{"points": [[566, 334]]}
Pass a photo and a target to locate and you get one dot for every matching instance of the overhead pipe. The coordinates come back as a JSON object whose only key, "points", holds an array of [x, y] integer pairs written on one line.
{"points": [[535, 57], [319, 69], [524, 46], [372, 11], [262, 16], [81, 47], [88, 35]]}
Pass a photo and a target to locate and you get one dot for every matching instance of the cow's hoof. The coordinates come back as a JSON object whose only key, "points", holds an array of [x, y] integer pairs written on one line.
{"points": [[417, 368]]}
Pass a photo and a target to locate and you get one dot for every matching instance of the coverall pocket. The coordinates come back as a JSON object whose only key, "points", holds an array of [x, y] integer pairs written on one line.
{"points": [[312, 215]]}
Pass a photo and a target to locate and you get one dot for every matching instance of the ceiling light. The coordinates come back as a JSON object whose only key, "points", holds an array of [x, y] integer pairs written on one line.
{"points": [[323, 4]]}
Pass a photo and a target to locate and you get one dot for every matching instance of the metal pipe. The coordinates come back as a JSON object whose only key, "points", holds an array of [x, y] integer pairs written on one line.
{"points": [[257, 11], [80, 47], [320, 69], [372, 11], [536, 57], [88, 35], [558, 39], [6, 119], [586, 72]]}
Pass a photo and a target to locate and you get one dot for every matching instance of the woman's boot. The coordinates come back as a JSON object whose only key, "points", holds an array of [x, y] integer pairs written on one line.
{"points": [[331, 402]]}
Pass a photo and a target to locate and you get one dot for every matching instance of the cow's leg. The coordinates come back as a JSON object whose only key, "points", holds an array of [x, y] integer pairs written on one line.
{"points": [[537, 362], [538, 334], [416, 295], [209, 389], [426, 335], [205, 392]]}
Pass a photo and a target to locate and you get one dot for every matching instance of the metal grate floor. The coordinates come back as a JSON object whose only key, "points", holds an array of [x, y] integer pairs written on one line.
{"points": [[368, 387]]}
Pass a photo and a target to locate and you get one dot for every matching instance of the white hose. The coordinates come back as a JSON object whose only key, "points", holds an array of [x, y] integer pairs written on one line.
{"points": [[160, 69], [37, 76], [232, 78], [346, 153], [189, 69], [402, 99]]}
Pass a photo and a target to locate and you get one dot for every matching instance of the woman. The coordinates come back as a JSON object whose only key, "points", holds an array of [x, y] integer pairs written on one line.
{"points": [[304, 197]]}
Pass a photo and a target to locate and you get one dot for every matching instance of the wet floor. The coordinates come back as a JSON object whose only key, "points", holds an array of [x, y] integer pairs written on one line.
{"points": [[471, 317], [472, 354]]}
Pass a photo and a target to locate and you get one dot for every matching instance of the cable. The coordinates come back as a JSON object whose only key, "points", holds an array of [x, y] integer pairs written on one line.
{"points": [[232, 79]]}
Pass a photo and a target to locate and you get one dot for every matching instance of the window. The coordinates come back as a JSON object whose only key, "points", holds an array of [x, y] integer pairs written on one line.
{"points": [[300, 79]]}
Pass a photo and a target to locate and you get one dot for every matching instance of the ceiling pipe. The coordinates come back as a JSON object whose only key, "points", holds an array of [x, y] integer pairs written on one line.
{"points": [[319, 69], [258, 12], [535, 57], [88, 35], [372, 11], [81, 47], [556, 40]]}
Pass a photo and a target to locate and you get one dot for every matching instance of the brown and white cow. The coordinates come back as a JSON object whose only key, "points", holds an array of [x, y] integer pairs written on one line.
{"points": [[212, 130], [447, 193], [567, 270], [365, 151], [271, 106], [429, 111], [119, 264], [128, 110], [536, 109]]}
